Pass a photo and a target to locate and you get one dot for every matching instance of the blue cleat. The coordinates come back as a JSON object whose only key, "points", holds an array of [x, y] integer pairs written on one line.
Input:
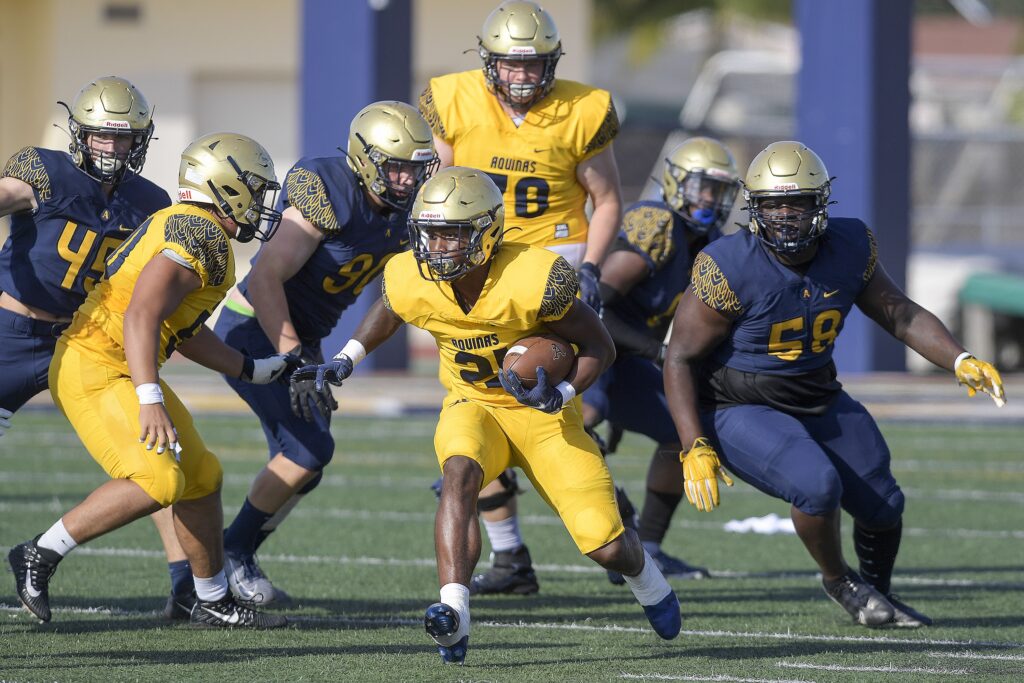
{"points": [[442, 622], [664, 616]]}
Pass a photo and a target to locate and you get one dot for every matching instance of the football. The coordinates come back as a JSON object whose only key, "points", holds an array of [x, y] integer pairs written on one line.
{"points": [[549, 351]]}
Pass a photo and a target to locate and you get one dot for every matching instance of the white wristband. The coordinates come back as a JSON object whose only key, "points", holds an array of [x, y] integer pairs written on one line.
{"points": [[149, 393], [567, 391], [959, 359], [355, 350]]}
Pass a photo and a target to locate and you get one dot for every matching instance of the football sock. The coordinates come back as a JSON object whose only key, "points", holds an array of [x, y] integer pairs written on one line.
{"points": [[649, 586], [181, 577], [57, 539], [213, 588], [456, 596], [657, 514], [240, 537], [877, 551], [271, 524], [504, 535]]}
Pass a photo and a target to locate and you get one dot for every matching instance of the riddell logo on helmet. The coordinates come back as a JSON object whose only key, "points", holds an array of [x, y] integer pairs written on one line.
{"points": [[431, 216], [117, 124], [523, 50], [786, 186], [184, 195], [423, 155]]}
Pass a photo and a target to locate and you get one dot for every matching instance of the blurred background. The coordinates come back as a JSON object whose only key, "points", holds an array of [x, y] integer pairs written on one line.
{"points": [[726, 68]]}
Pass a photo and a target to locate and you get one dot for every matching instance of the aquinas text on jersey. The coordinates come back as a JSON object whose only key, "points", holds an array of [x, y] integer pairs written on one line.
{"points": [[514, 165], [475, 342]]}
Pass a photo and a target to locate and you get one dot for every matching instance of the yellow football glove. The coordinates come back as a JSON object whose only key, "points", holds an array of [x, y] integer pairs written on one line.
{"points": [[702, 470], [977, 375]]}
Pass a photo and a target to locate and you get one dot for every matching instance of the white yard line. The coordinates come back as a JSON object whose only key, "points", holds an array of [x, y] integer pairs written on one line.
{"points": [[679, 677], [875, 669], [967, 654]]}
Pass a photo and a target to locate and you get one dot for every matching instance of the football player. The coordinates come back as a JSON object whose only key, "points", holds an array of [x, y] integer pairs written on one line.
{"points": [[344, 218], [749, 375], [547, 144], [471, 292], [157, 289], [69, 211], [641, 282]]}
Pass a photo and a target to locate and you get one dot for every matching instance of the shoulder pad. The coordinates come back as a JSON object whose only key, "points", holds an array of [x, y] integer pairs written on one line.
{"points": [[559, 290], [308, 194], [203, 240], [27, 166], [648, 229]]}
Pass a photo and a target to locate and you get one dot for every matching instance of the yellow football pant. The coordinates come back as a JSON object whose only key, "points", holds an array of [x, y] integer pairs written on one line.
{"points": [[102, 406], [554, 451]]}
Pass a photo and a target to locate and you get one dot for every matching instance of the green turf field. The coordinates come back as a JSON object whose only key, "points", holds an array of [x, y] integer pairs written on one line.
{"points": [[358, 558]]}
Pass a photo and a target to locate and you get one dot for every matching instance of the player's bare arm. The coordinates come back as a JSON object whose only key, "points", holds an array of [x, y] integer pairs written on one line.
{"points": [[889, 306], [160, 289], [696, 330], [16, 195], [445, 153], [207, 349], [377, 326], [279, 260], [599, 176], [581, 326]]}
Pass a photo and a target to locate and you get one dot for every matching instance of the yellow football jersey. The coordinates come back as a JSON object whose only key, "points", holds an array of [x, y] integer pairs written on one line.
{"points": [[533, 164], [194, 236], [515, 302]]}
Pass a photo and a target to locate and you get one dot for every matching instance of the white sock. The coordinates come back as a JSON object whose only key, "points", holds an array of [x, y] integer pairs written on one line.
{"points": [[504, 535], [212, 589], [649, 586], [652, 547], [57, 539], [456, 596]]}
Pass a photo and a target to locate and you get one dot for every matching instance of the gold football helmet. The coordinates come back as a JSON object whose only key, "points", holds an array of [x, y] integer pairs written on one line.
{"points": [[391, 149], [236, 175], [787, 174], [110, 106], [459, 206], [700, 182], [520, 30]]}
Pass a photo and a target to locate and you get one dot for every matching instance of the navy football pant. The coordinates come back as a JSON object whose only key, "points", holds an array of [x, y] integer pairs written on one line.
{"points": [[631, 393], [28, 346], [307, 444], [816, 463]]}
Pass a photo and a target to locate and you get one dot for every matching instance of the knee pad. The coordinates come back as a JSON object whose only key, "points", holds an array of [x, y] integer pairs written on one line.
{"points": [[311, 484], [885, 515], [207, 477], [165, 487], [510, 483], [822, 495]]}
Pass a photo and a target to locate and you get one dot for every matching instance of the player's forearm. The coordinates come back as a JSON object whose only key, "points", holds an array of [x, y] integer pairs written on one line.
{"points": [[377, 326], [207, 349], [141, 340], [629, 339], [681, 392], [603, 229], [270, 304], [926, 335]]}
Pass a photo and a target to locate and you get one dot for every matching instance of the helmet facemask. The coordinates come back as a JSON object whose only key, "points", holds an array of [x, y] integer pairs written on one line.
{"points": [[476, 237], [703, 198], [792, 221], [258, 219], [395, 193], [108, 167], [520, 95]]}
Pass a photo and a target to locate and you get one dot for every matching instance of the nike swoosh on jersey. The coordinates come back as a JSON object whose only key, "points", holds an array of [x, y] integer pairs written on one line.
{"points": [[828, 295], [233, 619]]}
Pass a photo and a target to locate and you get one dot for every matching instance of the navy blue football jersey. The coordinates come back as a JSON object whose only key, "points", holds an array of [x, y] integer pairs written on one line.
{"points": [[658, 234], [359, 240], [784, 323], [56, 253]]}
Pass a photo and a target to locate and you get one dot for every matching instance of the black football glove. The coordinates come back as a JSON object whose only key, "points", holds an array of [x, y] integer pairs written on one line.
{"points": [[590, 292], [333, 371], [306, 400], [542, 397]]}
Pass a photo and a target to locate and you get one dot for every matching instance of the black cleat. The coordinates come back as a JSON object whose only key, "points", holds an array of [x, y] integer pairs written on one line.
{"points": [[864, 603], [33, 567], [510, 572], [179, 607], [227, 612], [905, 616]]}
